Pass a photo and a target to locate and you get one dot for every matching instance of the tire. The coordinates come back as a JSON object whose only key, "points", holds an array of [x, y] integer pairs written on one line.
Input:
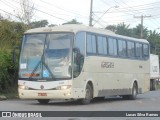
{"points": [[125, 97], [152, 84], [99, 99], [43, 101], [88, 95], [133, 96]]}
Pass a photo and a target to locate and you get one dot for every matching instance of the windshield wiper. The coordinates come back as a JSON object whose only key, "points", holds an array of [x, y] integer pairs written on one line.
{"points": [[42, 61], [46, 66]]}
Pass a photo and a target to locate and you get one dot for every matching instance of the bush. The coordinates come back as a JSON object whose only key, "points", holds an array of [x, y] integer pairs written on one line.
{"points": [[7, 71]]}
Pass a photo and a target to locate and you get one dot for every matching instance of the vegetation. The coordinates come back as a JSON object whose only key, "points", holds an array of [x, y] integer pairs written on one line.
{"points": [[10, 35], [152, 36]]}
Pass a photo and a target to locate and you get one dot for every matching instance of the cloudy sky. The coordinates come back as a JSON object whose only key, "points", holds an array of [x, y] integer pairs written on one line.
{"points": [[61, 11]]}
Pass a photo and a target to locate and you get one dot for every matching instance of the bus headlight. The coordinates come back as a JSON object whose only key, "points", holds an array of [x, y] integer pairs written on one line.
{"points": [[64, 87], [23, 87]]}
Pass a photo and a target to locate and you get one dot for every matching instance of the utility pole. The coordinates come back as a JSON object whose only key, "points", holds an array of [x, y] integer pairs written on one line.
{"points": [[91, 13], [142, 17]]}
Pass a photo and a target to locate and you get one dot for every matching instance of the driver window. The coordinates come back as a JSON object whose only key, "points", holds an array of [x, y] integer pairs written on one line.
{"points": [[79, 52]]}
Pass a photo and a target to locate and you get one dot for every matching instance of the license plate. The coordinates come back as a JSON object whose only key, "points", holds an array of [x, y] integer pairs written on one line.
{"points": [[42, 94]]}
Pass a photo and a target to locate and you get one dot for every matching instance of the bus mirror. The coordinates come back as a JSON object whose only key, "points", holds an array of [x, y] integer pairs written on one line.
{"points": [[76, 50], [14, 53]]}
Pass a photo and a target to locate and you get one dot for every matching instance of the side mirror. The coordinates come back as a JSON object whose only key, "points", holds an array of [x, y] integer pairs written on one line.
{"points": [[76, 50], [14, 53]]}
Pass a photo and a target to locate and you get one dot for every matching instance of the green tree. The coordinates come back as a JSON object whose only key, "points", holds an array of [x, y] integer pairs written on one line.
{"points": [[73, 21], [36, 24], [154, 40], [136, 32], [112, 28], [123, 29], [10, 35]]}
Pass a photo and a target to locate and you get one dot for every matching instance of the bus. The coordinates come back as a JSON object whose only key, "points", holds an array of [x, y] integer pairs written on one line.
{"points": [[77, 62]]}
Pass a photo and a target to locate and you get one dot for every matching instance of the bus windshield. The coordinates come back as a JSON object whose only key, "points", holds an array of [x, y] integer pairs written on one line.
{"points": [[46, 56]]}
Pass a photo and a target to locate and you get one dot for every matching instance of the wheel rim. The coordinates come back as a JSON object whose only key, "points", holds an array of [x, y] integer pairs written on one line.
{"points": [[88, 95], [134, 91]]}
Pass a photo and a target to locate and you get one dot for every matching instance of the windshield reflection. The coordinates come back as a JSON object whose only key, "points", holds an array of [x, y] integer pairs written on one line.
{"points": [[46, 55]]}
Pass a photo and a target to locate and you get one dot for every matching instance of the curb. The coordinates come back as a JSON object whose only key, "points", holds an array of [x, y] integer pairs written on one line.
{"points": [[2, 97]]}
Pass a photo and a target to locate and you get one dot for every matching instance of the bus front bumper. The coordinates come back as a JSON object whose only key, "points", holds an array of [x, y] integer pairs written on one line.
{"points": [[52, 94]]}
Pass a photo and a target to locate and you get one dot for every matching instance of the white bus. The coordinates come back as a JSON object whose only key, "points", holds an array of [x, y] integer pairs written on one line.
{"points": [[76, 62]]}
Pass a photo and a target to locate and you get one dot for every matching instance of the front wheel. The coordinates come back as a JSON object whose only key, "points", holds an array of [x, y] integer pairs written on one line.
{"points": [[43, 101], [88, 95]]}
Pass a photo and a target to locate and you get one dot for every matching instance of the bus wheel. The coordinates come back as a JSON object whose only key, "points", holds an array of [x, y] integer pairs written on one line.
{"points": [[134, 92], [88, 95], [43, 101], [152, 84]]}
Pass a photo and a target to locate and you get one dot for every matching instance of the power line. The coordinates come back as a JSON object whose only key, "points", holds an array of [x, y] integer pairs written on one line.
{"points": [[9, 13], [69, 11], [45, 12]]}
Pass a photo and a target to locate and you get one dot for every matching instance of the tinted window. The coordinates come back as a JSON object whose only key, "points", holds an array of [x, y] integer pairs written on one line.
{"points": [[122, 48], [80, 42], [112, 44], [145, 51], [130, 50], [102, 45], [138, 50], [91, 44]]}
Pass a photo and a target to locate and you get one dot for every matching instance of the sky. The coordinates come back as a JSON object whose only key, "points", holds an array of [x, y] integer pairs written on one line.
{"points": [[61, 11]]}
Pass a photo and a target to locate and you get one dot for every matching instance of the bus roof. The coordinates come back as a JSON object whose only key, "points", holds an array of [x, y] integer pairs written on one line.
{"points": [[77, 28]]}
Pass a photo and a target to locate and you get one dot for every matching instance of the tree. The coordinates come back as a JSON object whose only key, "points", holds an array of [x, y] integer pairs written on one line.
{"points": [[36, 24], [73, 21], [52, 25], [154, 40], [123, 29], [112, 28], [136, 32], [27, 11], [10, 35], [1, 17]]}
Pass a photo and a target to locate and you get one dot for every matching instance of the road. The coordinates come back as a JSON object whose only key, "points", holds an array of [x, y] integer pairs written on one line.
{"points": [[149, 101]]}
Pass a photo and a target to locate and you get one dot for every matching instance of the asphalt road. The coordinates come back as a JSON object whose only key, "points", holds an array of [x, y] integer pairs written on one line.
{"points": [[149, 101]]}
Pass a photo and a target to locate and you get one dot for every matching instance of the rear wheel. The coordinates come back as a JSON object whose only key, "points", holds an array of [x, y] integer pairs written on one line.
{"points": [[134, 92], [133, 96], [43, 101], [88, 95], [152, 84]]}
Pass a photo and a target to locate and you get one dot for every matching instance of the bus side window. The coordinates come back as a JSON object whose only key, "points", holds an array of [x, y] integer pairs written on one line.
{"points": [[131, 49], [102, 45], [145, 51], [112, 44], [122, 48], [139, 50], [91, 44]]}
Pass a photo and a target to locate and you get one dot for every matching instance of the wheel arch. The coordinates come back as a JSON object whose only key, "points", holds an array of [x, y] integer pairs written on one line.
{"points": [[90, 82], [136, 83]]}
